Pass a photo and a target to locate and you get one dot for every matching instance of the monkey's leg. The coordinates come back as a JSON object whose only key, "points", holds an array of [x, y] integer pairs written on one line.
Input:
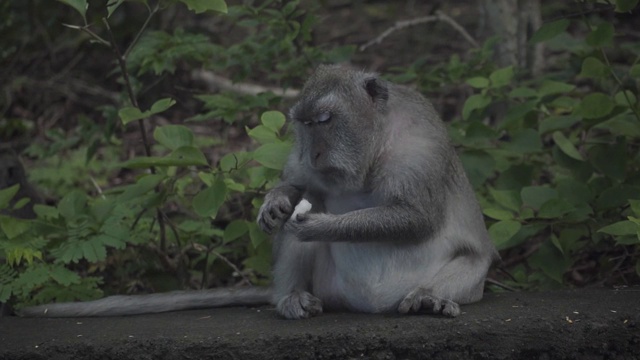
{"points": [[292, 274], [461, 281]]}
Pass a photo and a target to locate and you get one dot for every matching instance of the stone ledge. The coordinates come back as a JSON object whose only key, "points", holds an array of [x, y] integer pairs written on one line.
{"points": [[571, 324]]}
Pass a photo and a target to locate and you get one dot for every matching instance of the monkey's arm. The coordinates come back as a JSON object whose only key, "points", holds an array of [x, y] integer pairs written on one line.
{"points": [[398, 222]]}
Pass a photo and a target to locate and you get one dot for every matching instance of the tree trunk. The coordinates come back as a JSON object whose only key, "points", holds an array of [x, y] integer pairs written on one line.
{"points": [[514, 21]]}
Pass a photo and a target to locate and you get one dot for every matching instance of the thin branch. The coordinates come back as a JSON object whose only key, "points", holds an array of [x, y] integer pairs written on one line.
{"points": [[499, 284], [440, 16], [127, 82], [142, 29], [218, 82], [444, 17], [97, 186], [232, 265], [86, 29]]}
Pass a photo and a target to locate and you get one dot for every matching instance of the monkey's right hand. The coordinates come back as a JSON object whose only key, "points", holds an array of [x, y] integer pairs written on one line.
{"points": [[274, 212]]}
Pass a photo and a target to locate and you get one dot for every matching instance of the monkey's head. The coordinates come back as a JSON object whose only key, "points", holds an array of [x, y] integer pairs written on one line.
{"points": [[339, 123]]}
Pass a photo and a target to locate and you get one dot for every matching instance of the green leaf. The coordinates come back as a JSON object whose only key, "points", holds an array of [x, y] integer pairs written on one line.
{"points": [[566, 146], [635, 206], [234, 230], [7, 194], [524, 142], [498, 214], [474, 102], [200, 6], [626, 6], [73, 204], [273, 120], [160, 106], [601, 36], [635, 71], [625, 98], [611, 160], [502, 231], [624, 125], [574, 192], [621, 228], [173, 136], [13, 227], [257, 235], [45, 211], [501, 77], [478, 82], [515, 177], [273, 155], [234, 161], [596, 105], [508, 198], [549, 31], [79, 5], [536, 196], [208, 201], [523, 92], [64, 276], [142, 186], [130, 113], [550, 87], [555, 208], [617, 195], [594, 68], [262, 134], [551, 261], [112, 6], [478, 165], [553, 123], [189, 155]]}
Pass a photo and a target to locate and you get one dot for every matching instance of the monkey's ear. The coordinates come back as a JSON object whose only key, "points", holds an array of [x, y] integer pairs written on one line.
{"points": [[377, 90]]}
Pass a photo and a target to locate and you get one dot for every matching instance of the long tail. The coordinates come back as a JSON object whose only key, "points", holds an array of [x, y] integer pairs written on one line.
{"points": [[153, 303]]}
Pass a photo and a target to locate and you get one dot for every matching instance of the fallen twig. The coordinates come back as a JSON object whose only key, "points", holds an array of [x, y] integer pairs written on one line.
{"points": [[439, 16], [218, 82]]}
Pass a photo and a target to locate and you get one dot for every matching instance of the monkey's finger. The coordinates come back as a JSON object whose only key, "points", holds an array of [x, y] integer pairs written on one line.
{"points": [[432, 304], [301, 217], [285, 208], [408, 304]]}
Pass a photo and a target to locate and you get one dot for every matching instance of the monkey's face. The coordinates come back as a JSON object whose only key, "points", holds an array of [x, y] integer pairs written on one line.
{"points": [[336, 121]]}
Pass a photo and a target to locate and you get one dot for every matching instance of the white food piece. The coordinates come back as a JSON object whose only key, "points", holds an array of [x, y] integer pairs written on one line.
{"points": [[303, 207]]}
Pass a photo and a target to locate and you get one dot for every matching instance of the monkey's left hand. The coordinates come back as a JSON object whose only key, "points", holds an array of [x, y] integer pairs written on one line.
{"points": [[308, 226]]}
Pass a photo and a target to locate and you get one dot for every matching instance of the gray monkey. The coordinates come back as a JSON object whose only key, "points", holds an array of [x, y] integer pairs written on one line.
{"points": [[394, 223]]}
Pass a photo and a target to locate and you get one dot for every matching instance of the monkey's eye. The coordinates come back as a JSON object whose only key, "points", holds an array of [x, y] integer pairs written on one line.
{"points": [[323, 117]]}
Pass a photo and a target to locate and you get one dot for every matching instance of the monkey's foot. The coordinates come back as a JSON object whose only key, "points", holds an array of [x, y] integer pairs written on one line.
{"points": [[421, 299], [299, 305]]}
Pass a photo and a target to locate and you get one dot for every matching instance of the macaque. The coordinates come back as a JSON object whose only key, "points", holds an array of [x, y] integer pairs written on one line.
{"points": [[386, 222]]}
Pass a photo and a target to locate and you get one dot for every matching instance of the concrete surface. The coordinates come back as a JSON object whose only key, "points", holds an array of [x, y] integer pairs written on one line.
{"points": [[572, 324]]}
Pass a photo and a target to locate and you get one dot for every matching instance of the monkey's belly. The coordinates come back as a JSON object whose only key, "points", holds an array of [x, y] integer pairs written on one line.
{"points": [[373, 277]]}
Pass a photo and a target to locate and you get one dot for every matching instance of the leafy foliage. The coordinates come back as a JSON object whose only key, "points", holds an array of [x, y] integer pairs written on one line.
{"points": [[553, 159], [558, 173]]}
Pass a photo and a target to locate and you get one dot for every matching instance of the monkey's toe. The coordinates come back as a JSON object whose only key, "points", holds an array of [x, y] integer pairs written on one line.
{"points": [[299, 305], [421, 299]]}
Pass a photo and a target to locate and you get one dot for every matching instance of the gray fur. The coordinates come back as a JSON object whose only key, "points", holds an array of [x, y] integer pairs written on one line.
{"points": [[153, 303], [394, 226]]}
